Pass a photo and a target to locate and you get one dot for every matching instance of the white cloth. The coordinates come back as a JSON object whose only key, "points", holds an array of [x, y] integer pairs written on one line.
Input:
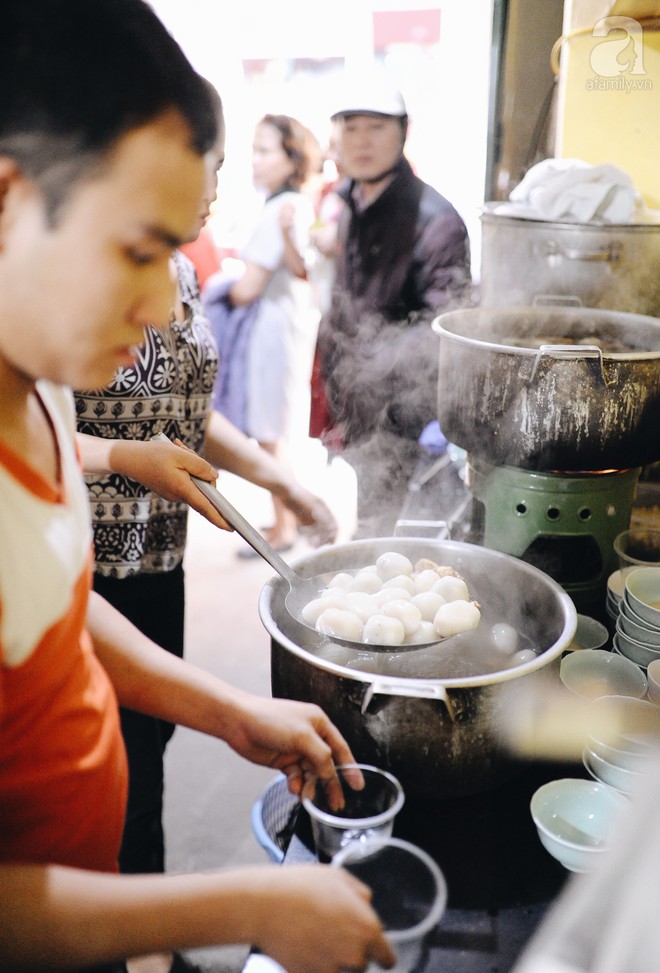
{"points": [[575, 191]]}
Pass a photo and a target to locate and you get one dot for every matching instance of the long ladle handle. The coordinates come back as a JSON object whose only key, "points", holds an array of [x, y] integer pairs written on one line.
{"points": [[240, 524]]}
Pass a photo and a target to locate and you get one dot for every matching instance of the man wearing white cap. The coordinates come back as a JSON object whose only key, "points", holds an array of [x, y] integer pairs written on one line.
{"points": [[403, 256]]}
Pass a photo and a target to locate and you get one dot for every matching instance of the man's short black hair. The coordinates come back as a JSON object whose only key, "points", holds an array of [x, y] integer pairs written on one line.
{"points": [[76, 75]]}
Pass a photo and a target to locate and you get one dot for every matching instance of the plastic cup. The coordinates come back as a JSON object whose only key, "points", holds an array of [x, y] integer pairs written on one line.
{"points": [[638, 547], [409, 893], [368, 812]]}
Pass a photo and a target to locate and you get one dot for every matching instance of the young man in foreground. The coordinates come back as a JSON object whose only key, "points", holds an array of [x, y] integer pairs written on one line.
{"points": [[103, 128]]}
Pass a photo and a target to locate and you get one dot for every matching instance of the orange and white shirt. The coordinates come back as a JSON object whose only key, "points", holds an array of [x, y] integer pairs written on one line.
{"points": [[63, 775]]}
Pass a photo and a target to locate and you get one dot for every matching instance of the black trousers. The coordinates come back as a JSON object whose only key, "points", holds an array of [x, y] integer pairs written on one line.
{"points": [[155, 605]]}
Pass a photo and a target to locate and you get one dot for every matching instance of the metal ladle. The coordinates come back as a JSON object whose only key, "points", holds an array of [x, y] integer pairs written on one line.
{"points": [[301, 590]]}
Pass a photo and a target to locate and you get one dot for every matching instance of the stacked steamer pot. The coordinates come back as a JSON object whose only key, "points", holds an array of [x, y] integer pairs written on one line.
{"points": [[602, 265], [552, 386]]}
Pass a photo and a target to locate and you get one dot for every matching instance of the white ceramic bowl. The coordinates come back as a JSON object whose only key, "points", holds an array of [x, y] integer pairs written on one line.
{"points": [[625, 608], [589, 634], [653, 678], [639, 631], [624, 723], [624, 780], [577, 820], [638, 547], [635, 760], [643, 593], [634, 650], [615, 586], [596, 672]]}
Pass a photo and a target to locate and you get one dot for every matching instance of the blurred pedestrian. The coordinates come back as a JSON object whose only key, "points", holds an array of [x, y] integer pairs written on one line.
{"points": [[266, 350], [402, 256]]}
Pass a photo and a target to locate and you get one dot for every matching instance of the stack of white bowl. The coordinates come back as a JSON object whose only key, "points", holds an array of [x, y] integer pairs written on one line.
{"points": [[615, 584], [637, 635], [623, 741]]}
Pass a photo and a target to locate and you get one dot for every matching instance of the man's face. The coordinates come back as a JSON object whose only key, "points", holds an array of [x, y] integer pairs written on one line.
{"points": [[370, 145], [75, 297]]}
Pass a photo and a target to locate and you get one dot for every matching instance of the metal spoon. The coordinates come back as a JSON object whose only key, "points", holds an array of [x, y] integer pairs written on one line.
{"points": [[301, 590]]}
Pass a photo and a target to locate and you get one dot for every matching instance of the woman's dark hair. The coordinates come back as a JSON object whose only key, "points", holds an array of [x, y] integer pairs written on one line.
{"points": [[77, 75], [299, 144]]}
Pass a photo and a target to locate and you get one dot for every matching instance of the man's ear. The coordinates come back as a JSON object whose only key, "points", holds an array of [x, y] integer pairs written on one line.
{"points": [[8, 172], [10, 177]]}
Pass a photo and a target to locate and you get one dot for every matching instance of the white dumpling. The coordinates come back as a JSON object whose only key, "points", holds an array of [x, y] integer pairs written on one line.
{"points": [[452, 589], [314, 608], [504, 637], [390, 564], [391, 594], [409, 616], [401, 581], [341, 580], [333, 592], [362, 604], [424, 633], [368, 581], [383, 630], [520, 658], [425, 580], [428, 603], [340, 623], [331, 652], [455, 617]]}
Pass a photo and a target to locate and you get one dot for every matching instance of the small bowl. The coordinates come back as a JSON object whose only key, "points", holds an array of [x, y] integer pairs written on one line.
{"points": [[625, 723], [596, 672], [626, 608], [621, 778], [589, 634], [653, 677], [638, 547], [615, 586], [640, 632], [643, 594], [634, 760], [632, 649], [577, 820]]}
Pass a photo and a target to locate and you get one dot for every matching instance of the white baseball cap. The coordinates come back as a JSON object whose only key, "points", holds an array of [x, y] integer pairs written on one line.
{"points": [[370, 95]]}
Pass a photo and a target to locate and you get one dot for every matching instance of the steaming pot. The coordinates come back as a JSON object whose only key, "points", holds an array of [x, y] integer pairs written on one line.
{"points": [[551, 388], [441, 738], [607, 266]]}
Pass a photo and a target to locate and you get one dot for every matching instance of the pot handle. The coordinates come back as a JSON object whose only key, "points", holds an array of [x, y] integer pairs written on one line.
{"points": [[609, 254], [568, 352], [384, 687]]}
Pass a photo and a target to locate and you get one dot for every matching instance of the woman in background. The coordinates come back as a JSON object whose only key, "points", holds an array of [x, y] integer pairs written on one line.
{"points": [[279, 349]]}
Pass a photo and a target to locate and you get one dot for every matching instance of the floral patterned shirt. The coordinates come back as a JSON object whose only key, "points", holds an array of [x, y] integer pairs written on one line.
{"points": [[168, 390]]}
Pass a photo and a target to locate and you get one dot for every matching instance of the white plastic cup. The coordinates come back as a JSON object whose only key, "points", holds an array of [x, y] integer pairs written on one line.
{"points": [[409, 893], [368, 812]]}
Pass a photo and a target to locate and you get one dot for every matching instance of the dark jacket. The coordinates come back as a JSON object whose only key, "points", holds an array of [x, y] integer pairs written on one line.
{"points": [[400, 262]]}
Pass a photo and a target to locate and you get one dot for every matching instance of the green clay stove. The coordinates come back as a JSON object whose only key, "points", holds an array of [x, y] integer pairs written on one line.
{"points": [[563, 523]]}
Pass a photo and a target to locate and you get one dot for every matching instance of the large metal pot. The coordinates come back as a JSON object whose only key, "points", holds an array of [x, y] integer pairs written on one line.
{"points": [[441, 738], [551, 388], [605, 266]]}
